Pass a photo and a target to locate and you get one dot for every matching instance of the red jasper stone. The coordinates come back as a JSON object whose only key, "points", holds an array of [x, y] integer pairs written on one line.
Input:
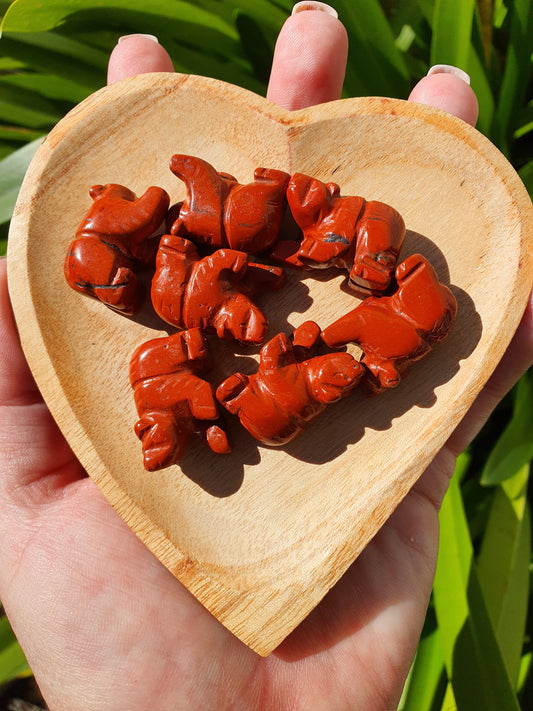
{"points": [[112, 244], [220, 212], [213, 293], [348, 232], [286, 393], [172, 401], [395, 331]]}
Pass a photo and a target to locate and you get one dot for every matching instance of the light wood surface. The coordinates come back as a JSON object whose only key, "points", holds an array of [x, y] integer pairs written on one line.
{"points": [[261, 535]]}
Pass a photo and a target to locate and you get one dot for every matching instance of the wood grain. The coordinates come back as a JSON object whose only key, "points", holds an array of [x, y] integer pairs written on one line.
{"points": [[261, 535]]}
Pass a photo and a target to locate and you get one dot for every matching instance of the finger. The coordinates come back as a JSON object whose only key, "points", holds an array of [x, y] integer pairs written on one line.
{"points": [[448, 88], [17, 386], [31, 446], [137, 54], [310, 57]]}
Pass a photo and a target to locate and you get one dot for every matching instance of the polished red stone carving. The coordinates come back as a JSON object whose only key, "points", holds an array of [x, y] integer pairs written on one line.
{"points": [[362, 237], [395, 331], [220, 212], [112, 244], [213, 293], [291, 386], [172, 401]]}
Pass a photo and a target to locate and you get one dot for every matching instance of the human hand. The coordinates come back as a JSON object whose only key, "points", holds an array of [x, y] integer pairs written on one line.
{"points": [[104, 625]]}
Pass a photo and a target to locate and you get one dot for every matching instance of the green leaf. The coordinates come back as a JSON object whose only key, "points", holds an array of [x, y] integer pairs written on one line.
{"points": [[516, 74], [37, 16], [12, 171], [452, 32], [48, 86], [183, 23], [427, 677], [462, 464], [13, 663], [526, 663], [482, 88], [48, 52], [25, 108], [449, 703], [255, 45], [14, 134], [199, 41], [266, 13], [375, 64], [514, 448], [503, 567], [526, 175], [472, 656]]}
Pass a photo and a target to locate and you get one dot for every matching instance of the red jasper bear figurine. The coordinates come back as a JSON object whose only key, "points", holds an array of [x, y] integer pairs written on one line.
{"points": [[112, 243], [172, 401], [395, 331], [220, 212], [212, 293], [287, 391], [346, 232]]}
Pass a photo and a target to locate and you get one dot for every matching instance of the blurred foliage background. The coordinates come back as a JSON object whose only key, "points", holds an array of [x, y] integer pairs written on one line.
{"points": [[476, 648]]}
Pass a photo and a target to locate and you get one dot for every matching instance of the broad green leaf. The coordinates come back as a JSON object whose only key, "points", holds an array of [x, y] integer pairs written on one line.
{"points": [[427, 677], [524, 129], [56, 44], [49, 86], [375, 64], [452, 32], [516, 74], [266, 13], [503, 567], [48, 52], [449, 703], [526, 663], [409, 13], [192, 61], [199, 42], [499, 13], [12, 114], [176, 21], [462, 464], [13, 663], [255, 45], [472, 656], [5, 150], [14, 135], [12, 171], [37, 16], [481, 86], [514, 448], [28, 102], [7, 64]]}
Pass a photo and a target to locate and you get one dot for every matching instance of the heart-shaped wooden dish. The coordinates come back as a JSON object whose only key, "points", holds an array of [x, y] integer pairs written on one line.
{"points": [[260, 535]]}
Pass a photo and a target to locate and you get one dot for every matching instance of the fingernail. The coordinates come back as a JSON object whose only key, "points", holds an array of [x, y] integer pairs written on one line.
{"points": [[449, 69], [151, 37], [320, 6]]}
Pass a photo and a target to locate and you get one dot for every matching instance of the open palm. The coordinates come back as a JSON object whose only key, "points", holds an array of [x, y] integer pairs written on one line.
{"points": [[105, 626]]}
